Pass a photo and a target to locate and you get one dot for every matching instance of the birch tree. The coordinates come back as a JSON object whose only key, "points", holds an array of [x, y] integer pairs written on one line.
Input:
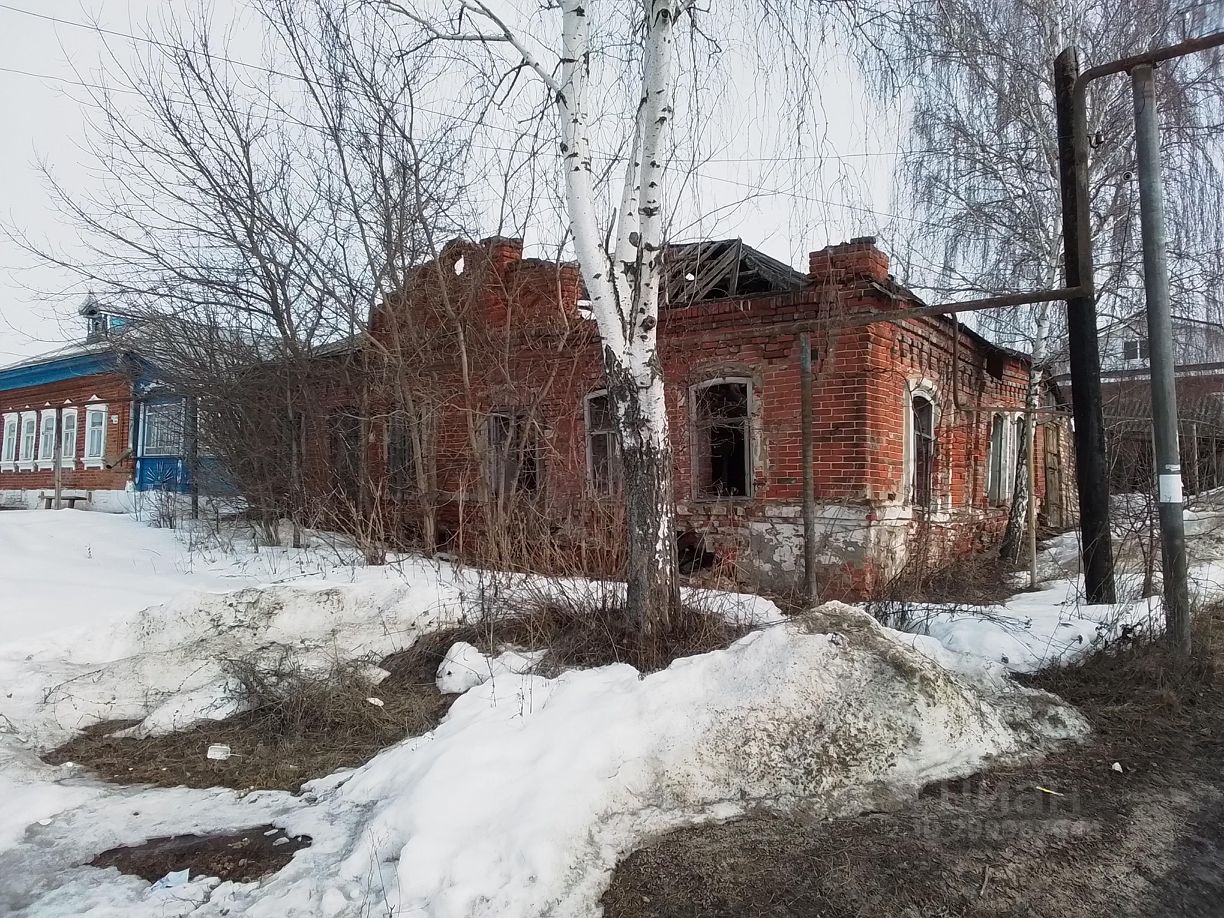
{"points": [[619, 249], [982, 170]]}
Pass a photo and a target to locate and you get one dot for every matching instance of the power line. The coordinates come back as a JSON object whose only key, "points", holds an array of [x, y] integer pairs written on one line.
{"points": [[272, 71], [491, 148]]}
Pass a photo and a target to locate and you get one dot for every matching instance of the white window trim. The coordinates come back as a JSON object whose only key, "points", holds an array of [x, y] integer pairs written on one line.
{"points": [[68, 457], [7, 439], [99, 461], [753, 445], [23, 463], [921, 388], [46, 462]]}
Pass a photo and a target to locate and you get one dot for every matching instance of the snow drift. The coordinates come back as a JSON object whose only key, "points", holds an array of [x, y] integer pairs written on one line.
{"points": [[522, 801]]}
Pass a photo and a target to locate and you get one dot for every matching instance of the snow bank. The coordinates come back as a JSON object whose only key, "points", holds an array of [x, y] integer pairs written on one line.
{"points": [[523, 800]]}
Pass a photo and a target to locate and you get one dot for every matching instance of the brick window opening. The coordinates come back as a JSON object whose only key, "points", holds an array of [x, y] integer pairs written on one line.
{"points": [[603, 456], [345, 443], [401, 455], [723, 445], [514, 453], [924, 450], [996, 471]]}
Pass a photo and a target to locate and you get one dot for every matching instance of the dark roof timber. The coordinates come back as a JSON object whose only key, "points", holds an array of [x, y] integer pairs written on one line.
{"points": [[697, 271]]}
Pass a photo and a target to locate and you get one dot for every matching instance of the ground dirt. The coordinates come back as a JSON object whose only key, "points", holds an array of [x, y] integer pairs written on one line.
{"points": [[1068, 837], [327, 731], [241, 857]]}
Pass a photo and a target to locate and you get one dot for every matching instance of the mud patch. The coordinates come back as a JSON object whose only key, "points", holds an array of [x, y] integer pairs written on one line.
{"points": [[242, 857]]}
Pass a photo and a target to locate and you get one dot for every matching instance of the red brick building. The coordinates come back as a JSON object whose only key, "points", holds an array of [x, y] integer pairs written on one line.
{"points": [[915, 421]]}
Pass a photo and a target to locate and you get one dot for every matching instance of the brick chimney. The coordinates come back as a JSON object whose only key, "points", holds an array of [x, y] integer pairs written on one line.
{"points": [[502, 251], [858, 259]]}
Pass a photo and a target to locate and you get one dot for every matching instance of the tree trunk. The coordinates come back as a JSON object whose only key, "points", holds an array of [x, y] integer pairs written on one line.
{"points": [[653, 587], [1013, 535]]}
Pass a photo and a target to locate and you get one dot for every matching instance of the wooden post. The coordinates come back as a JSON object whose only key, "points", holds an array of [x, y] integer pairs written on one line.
{"points": [[809, 472], [57, 456]]}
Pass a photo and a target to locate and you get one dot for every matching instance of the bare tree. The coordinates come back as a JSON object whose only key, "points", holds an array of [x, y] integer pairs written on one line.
{"points": [[983, 163], [640, 53], [252, 222]]}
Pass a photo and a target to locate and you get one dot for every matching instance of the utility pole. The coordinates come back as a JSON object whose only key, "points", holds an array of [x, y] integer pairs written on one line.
{"points": [[1091, 472], [1032, 497], [809, 471], [1161, 361]]}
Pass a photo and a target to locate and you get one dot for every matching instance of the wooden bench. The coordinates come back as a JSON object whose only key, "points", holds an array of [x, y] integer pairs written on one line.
{"points": [[67, 498]]}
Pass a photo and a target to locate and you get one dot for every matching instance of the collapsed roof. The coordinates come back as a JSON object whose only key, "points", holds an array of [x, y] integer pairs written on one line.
{"points": [[697, 271]]}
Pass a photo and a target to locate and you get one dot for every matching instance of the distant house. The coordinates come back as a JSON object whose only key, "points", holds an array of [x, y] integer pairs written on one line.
{"points": [[1198, 353], [117, 431], [916, 421]]}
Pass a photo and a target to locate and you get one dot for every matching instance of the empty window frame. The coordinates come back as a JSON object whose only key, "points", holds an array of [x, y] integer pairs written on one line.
{"points": [[401, 453], [345, 440], [162, 434], [603, 453], [922, 483], [514, 452], [8, 447], [722, 448], [68, 437], [95, 435], [996, 460]]}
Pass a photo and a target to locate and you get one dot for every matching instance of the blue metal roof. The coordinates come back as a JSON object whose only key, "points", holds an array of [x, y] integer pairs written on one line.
{"points": [[58, 369]]}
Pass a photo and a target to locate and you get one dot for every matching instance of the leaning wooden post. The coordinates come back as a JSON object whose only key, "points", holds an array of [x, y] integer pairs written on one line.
{"points": [[809, 471]]}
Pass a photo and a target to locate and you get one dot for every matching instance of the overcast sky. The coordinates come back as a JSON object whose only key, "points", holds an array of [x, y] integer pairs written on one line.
{"points": [[43, 112]]}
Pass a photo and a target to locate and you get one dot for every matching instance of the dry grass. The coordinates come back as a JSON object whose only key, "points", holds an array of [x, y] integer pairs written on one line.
{"points": [[577, 636], [300, 726]]}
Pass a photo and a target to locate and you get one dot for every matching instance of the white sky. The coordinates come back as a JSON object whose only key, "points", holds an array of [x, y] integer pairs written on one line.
{"points": [[44, 116]]}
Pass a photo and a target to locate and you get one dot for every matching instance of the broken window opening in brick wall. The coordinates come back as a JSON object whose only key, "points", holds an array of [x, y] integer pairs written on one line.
{"points": [[996, 470], [346, 443], [603, 454], [723, 445], [924, 449], [514, 452], [401, 454]]}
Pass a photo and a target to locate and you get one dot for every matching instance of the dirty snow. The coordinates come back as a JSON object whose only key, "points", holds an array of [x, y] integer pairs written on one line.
{"points": [[1052, 625], [518, 804]]}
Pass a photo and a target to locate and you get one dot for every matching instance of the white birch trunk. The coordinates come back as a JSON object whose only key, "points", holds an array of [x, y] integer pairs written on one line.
{"points": [[624, 289]]}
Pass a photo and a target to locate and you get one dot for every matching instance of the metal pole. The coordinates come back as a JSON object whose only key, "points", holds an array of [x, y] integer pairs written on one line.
{"points": [[809, 470], [1091, 473], [57, 457], [1032, 500], [1160, 356]]}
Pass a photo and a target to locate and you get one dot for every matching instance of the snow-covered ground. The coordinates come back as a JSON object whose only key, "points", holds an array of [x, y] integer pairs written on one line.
{"points": [[1052, 625], [523, 799]]}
